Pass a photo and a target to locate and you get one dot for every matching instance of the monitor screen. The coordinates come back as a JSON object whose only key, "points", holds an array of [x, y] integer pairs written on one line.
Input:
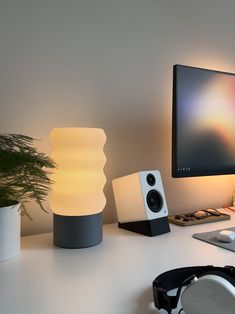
{"points": [[203, 133]]}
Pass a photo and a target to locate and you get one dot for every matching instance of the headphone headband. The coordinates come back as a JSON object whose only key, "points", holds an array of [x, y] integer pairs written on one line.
{"points": [[180, 277]]}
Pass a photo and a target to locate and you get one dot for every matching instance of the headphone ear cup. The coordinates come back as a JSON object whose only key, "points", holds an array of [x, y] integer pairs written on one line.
{"points": [[212, 292], [220, 274]]}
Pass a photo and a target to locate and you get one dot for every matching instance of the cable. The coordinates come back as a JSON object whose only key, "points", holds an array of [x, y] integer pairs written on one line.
{"points": [[180, 311]]}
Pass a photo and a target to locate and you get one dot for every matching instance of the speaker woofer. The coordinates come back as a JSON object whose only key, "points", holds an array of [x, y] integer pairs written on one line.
{"points": [[154, 201]]}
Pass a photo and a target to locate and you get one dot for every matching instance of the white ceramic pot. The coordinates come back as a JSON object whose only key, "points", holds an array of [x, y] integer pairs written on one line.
{"points": [[9, 232]]}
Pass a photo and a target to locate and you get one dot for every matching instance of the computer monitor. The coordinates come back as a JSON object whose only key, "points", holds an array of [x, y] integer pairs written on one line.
{"points": [[203, 133]]}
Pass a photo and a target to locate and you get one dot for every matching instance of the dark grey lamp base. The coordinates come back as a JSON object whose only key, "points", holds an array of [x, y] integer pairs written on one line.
{"points": [[77, 231]]}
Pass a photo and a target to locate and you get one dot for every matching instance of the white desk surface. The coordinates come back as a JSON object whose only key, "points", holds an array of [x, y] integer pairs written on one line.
{"points": [[114, 277]]}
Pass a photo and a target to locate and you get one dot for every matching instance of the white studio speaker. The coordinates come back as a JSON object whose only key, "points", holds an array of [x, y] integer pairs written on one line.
{"points": [[141, 203]]}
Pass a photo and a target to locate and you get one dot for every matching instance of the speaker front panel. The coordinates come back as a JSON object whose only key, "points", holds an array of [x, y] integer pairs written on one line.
{"points": [[153, 194]]}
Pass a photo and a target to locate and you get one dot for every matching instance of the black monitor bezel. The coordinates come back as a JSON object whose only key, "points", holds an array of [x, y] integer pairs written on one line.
{"points": [[180, 174]]}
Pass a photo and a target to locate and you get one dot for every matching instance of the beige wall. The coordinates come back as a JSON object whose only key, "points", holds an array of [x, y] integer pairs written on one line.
{"points": [[108, 64]]}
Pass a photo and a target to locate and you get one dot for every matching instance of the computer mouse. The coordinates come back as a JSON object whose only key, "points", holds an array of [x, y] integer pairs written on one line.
{"points": [[226, 236]]}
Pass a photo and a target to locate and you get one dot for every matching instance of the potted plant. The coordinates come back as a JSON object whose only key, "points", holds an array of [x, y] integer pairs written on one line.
{"points": [[23, 177]]}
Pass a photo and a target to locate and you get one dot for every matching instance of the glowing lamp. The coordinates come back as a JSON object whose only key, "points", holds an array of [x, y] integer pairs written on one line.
{"points": [[77, 198]]}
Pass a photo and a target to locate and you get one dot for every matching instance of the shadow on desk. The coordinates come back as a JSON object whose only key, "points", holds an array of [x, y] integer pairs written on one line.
{"points": [[45, 241], [145, 303]]}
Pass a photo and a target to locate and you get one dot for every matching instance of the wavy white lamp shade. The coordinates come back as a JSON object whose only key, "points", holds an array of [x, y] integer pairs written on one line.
{"points": [[77, 198], [79, 178]]}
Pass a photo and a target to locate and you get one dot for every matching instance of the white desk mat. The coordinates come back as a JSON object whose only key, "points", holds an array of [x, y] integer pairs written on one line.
{"points": [[210, 237]]}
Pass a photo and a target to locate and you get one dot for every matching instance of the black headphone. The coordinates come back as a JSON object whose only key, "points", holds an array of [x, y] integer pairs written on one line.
{"points": [[190, 276]]}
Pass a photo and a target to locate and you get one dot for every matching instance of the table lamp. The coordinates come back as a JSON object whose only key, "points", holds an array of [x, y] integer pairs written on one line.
{"points": [[77, 198]]}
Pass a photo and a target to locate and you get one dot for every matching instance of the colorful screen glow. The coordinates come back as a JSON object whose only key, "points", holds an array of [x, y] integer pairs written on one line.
{"points": [[203, 122]]}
